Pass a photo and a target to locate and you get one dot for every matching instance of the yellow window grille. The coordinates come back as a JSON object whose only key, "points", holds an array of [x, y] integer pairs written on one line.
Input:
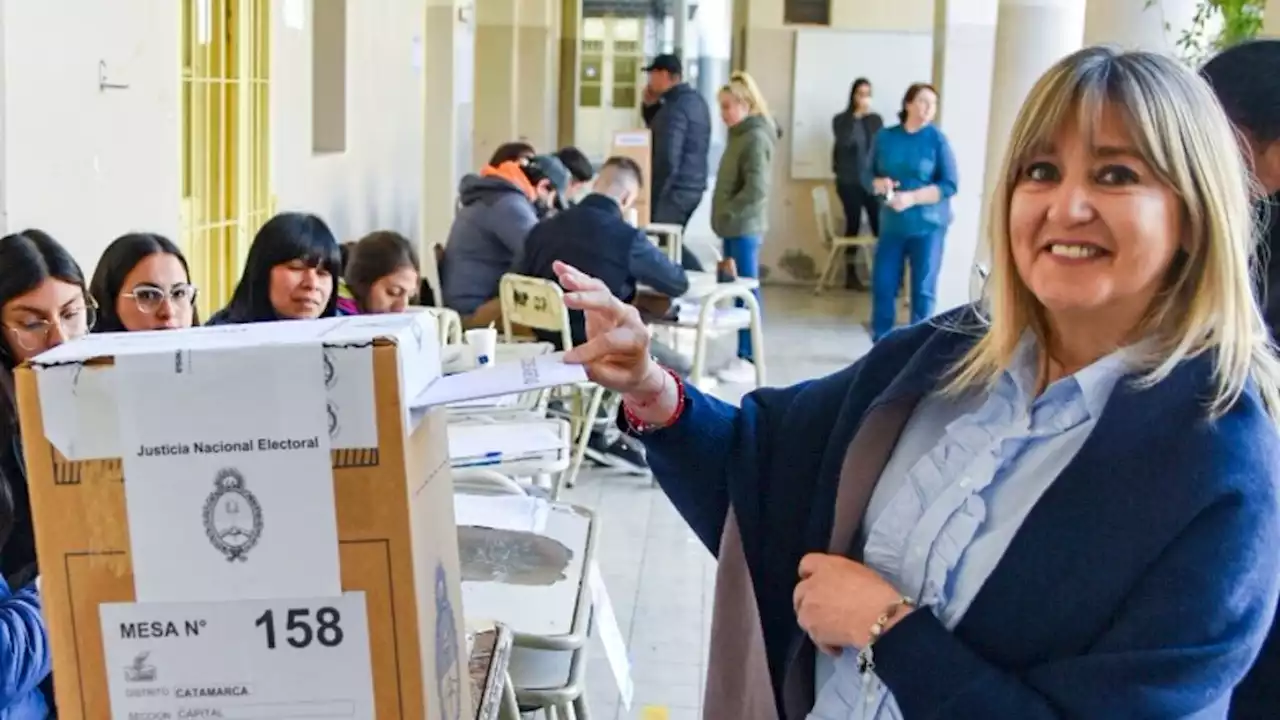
{"points": [[226, 74]]}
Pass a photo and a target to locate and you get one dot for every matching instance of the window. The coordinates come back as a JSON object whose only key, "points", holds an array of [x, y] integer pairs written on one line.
{"points": [[329, 76], [806, 12], [226, 133]]}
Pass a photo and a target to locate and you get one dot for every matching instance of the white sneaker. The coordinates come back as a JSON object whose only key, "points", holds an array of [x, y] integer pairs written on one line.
{"points": [[738, 372]]}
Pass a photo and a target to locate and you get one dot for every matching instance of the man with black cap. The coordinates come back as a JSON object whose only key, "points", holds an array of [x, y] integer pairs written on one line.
{"points": [[680, 122]]}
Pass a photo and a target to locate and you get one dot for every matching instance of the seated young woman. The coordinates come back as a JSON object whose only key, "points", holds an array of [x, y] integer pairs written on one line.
{"points": [[143, 283], [43, 303], [381, 274], [291, 273]]}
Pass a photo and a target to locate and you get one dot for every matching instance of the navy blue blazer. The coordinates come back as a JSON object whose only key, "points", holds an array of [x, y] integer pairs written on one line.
{"points": [[1141, 585]]}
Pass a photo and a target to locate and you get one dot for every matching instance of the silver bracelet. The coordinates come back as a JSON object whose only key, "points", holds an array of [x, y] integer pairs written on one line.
{"points": [[866, 657]]}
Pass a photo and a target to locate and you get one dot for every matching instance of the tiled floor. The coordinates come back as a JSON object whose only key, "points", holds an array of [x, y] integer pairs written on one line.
{"points": [[659, 577]]}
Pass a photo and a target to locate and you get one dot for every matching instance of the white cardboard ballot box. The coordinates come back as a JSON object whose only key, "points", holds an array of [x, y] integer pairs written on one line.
{"points": [[247, 519]]}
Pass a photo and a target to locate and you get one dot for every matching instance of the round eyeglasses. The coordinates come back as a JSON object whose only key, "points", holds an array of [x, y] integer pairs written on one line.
{"points": [[149, 297], [33, 335]]}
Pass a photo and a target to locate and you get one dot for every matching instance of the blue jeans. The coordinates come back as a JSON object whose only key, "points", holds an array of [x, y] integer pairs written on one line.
{"points": [[745, 252], [924, 252]]}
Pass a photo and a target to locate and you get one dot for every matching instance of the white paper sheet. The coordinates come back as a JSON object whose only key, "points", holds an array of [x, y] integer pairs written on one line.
{"points": [[502, 512], [228, 476], [489, 403], [242, 660], [534, 373], [504, 440], [610, 634]]}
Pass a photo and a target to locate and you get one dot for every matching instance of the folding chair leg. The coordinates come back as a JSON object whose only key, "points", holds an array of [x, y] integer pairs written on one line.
{"points": [[826, 269], [581, 437]]}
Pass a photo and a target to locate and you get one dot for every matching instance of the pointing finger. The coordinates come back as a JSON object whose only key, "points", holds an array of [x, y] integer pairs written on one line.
{"points": [[573, 279], [599, 299]]}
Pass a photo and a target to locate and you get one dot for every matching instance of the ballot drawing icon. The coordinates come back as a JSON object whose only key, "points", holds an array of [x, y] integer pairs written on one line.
{"points": [[232, 516], [140, 671], [448, 674]]}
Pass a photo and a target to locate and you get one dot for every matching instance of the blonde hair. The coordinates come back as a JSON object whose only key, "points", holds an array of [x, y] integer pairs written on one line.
{"points": [[743, 88], [1207, 302]]}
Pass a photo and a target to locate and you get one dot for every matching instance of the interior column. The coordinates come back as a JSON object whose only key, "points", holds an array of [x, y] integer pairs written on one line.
{"points": [[1031, 35], [497, 78], [536, 85], [448, 87], [964, 39], [569, 70]]}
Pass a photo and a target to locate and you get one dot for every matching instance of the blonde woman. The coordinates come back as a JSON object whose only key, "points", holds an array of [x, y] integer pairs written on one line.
{"points": [[1060, 504], [740, 204]]}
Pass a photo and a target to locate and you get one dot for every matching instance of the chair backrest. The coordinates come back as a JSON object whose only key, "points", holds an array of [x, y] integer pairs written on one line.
{"points": [[432, 261], [450, 324], [822, 214], [534, 303]]}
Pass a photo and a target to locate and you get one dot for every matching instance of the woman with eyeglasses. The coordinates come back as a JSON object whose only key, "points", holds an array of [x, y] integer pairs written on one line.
{"points": [[143, 282], [43, 303], [291, 273]]}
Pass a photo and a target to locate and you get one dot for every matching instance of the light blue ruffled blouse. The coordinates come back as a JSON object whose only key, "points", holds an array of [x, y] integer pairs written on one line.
{"points": [[961, 481]]}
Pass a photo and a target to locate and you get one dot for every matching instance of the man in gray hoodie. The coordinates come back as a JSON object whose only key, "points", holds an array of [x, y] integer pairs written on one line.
{"points": [[497, 209]]}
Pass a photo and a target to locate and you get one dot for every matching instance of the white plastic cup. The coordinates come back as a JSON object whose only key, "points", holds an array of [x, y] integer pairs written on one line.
{"points": [[484, 343]]}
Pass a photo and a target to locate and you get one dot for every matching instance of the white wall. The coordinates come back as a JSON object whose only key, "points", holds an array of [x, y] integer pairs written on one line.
{"points": [[87, 165], [377, 182], [82, 164]]}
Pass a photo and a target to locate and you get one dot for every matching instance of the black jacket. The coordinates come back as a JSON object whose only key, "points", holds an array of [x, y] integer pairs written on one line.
{"points": [[1269, 292], [1258, 695], [853, 144], [593, 237], [681, 128]]}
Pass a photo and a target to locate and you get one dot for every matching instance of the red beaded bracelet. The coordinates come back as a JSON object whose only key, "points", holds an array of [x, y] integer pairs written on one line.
{"points": [[639, 427]]}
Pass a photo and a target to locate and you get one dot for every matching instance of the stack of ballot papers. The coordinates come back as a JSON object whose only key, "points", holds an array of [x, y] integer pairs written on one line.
{"points": [[479, 444], [504, 378]]}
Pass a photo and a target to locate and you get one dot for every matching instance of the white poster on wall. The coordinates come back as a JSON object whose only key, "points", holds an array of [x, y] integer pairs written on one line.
{"points": [[227, 473]]}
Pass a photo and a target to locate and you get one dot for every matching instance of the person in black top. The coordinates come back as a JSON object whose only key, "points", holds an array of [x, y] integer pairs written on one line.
{"points": [[580, 167], [855, 130], [680, 122], [1246, 79], [593, 237]]}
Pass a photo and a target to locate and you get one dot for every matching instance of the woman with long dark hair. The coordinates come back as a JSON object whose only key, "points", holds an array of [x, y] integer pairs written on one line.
{"points": [[291, 273], [43, 303], [855, 130], [143, 283], [1246, 79]]}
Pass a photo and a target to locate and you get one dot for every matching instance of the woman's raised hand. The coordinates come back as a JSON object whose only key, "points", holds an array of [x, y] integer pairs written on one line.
{"points": [[616, 353]]}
